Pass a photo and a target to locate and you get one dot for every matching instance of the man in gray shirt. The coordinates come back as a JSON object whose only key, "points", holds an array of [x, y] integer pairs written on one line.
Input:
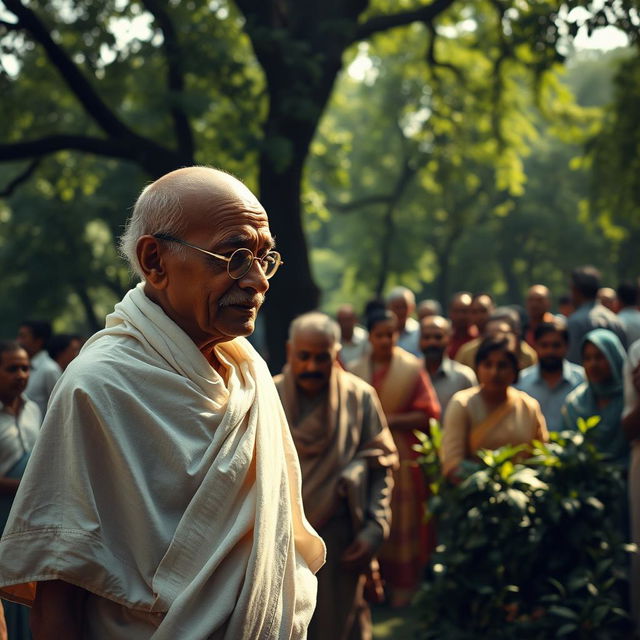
{"points": [[589, 313], [553, 377]]}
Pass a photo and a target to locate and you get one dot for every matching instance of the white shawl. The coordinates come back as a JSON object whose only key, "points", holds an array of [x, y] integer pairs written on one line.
{"points": [[157, 487]]}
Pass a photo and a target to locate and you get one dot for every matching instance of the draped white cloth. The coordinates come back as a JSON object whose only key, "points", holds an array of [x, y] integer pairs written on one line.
{"points": [[173, 497]]}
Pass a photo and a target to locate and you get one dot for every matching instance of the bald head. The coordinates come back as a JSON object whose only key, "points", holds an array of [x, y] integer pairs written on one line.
{"points": [[435, 332], [315, 322], [608, 297], [314, 339], [460, 311], [347, 319], [428, 308], [402, 302], [436, 321], [180, 198], [538, 302]]}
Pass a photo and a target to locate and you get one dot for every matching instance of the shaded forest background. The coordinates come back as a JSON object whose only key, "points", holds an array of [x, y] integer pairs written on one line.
{"points": [[442, 145]]}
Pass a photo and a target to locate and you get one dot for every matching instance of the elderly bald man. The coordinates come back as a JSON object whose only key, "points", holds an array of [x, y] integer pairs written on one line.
{"points": [[163, 497], [354, 339], [447, 376], [462, 328], [346, 453], [402, 302], [538, 305]]}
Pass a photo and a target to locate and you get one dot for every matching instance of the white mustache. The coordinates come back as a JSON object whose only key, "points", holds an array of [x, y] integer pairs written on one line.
{"points": [[238, 297]]}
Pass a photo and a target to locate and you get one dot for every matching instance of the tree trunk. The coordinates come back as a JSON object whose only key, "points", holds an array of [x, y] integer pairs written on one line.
{"points": [[292, 290]]}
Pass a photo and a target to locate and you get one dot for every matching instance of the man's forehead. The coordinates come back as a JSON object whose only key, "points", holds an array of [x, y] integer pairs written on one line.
{"points": [[13, 355], [312, 340]]}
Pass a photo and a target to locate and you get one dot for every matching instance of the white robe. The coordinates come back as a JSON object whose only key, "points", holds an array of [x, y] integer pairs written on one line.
{"points": [[172, 497]]}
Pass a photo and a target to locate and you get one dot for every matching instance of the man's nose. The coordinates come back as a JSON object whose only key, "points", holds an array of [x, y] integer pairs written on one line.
{"points": [[255, 279]]}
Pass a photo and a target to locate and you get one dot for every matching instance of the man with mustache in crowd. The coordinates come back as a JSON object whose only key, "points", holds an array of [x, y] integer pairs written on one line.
{"points": [[347, 454], [447, 376], [163, 496], [553, 377]]}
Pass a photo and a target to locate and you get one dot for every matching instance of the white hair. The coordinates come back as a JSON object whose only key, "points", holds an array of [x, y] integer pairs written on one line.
{"points": [[317, 322], [401, 292]]}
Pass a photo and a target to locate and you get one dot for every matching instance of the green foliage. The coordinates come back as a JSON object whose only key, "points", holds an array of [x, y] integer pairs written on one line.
{"points": [[615, 196], [527, 548], [440, 166]]}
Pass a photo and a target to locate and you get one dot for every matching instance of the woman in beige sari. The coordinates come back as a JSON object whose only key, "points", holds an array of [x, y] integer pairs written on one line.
{"points": [[408, 401], [493, 414]]}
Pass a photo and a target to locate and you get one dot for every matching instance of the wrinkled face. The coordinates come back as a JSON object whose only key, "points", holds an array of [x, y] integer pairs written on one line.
{"points": [[537, 304], [552, 350], [383, 337], [311, 355], [28, 341], [433, 340], [400, 306], [496, 373], [14, 374], [199, 295], [460, 313], [596, 366], [480, 311]]}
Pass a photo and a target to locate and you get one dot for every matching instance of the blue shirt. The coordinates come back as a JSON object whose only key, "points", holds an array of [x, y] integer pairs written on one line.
{"points": [[551, 399]]}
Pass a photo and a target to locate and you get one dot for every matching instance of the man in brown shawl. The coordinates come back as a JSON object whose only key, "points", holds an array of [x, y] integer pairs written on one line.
{"points": [[346, 454]]}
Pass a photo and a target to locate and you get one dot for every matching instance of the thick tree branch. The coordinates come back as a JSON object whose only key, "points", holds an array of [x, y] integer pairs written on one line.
{"points": [[175, 75], [52, 144], [9, 26], [20, 178], [381, 23], [75, 79], [433, 61]]}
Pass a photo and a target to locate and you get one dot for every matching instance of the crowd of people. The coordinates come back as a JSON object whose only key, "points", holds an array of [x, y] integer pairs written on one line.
{"points": [[174, 489], [507, 375]]}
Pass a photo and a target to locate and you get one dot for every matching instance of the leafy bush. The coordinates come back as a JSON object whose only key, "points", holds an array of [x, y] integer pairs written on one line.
{"points": [[531, 548]]}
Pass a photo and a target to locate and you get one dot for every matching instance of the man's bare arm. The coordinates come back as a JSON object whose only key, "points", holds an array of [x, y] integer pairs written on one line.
{"points": [[58, 611]]}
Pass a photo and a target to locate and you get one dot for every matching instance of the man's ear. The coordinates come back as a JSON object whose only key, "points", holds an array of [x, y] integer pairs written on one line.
{"points": [[151, 260], [288, 348]]}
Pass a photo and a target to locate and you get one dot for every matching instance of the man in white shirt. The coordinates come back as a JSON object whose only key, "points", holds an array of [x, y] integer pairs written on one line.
{"points": [[354, 340], [33, 336], [19, 427]]}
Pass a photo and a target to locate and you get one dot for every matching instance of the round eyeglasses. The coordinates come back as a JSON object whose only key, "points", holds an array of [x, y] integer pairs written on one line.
{"points": [[239, 263]]}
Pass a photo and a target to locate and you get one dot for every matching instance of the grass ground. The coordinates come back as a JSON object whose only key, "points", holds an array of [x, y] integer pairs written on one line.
{"points": [[394, 624]]}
